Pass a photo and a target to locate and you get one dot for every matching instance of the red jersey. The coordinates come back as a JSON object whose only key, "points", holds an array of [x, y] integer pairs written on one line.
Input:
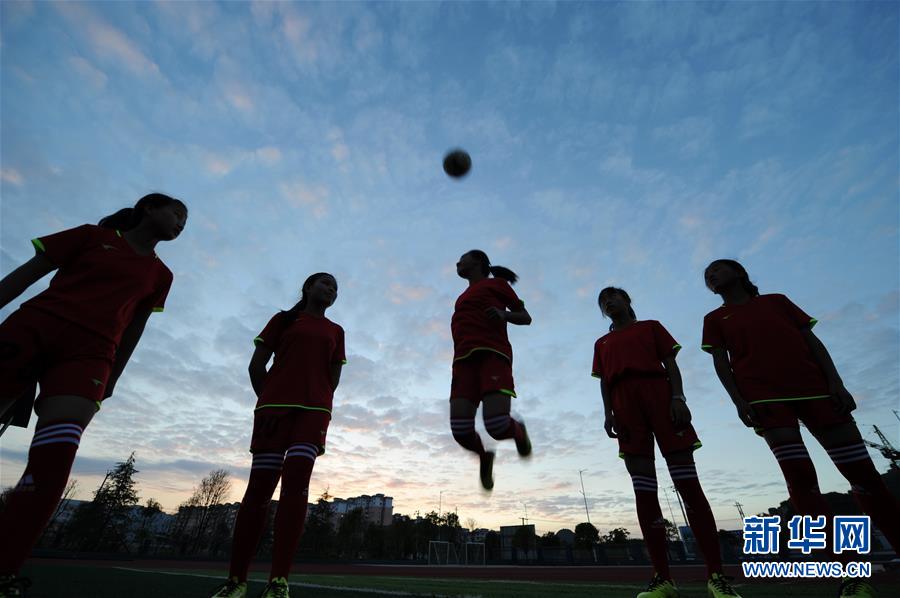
{"points": [[471, 327], [636, 350], [305, 350], [768, 354], [101, 281]]}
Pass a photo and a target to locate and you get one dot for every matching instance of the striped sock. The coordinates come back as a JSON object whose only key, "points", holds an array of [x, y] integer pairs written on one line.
{"points": [[502, 426], [464, 434], [32, 502], [868, 489], [251, 518], [699, 514], [651, 519], [292, 504], [803, 485]]}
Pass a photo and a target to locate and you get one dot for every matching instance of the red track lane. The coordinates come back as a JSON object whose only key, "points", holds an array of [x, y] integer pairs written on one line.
{"points": [[687, 573]]}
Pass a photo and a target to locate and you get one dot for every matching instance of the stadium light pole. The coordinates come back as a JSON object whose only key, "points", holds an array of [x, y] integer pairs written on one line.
{"points": [[583, 495]]}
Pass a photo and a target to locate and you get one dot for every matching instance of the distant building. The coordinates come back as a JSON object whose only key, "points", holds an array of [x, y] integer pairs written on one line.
{"points": [[478, 535], [377, 509]]}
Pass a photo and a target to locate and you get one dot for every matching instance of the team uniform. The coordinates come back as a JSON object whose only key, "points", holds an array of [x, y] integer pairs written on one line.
{"points": [[66, 336], [65, 340], [482, 358], [290, 425], [776, 372], [296, 399], [629, 361], [773, 366]]}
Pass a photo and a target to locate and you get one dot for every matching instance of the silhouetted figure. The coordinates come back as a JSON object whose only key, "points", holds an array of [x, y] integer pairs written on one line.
{"points": [[482, 359], [643, 399], [289, 427], [778, 373], [74, 339]]}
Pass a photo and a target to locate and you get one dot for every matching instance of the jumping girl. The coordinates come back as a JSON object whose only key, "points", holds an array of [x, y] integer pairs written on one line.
{"points": [[74, 340], [643, 398], [482, 359], [777, 373], [289, 427]]}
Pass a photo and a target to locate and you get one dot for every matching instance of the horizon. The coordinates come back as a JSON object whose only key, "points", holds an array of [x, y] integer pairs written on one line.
{"points": [[612, 144]]}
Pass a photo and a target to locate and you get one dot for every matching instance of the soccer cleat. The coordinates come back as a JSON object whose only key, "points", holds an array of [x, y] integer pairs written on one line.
{"points": [[718, 586], [855, 588], [660, 588], [12, 586], [523, 442], [487, 470], [276, 588], [231, 589]]}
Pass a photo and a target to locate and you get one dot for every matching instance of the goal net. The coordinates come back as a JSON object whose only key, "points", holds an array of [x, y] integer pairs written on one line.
{"points": [[442, 553], [474, 553]]}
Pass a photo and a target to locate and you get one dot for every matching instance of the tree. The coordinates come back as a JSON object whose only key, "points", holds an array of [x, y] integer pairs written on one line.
{"points": [[586, 535], [103, 523], [143, 536], [318, 536], [350, 534], [200, 513], [549, 540], [617, 535], [52, 527], [471, 524]]}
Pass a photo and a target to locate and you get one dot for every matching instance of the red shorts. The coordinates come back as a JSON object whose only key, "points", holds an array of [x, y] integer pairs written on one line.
{"points": [[481, 373], [64, 358], [277, 428], [641, 406], [814, 413]]}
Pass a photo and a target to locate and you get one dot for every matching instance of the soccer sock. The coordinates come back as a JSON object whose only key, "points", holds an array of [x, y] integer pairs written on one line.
{"points": [[868, 489], [32, 502], [803, 485], [251, 518], [502, 426], [699, 515], [292, 504], [651, 519], [465, 435]]}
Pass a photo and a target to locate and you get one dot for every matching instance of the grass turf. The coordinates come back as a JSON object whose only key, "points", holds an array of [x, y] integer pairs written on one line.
{"points": [[118, 581]]}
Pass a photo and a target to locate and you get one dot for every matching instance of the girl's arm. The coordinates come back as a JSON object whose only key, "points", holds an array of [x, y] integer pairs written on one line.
{"points": [[726, 377], [336, 374], [842, 397], [681, 415], [16, 282], [521, 317], [609, 423], [130, 338], [257, 367]]}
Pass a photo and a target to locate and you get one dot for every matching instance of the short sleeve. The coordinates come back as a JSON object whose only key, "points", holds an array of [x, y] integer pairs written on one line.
{"points": [[63, 247], [666, 346], [271, 333], [712, 335], [597, 368], [797, 316], [508, 295], [157, 301], [339, 355]]}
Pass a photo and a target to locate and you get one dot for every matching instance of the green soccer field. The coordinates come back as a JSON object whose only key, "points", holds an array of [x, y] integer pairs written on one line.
{"points": [[118, 581]]}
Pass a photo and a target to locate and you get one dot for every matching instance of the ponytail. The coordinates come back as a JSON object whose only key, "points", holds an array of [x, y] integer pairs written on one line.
{"points": [[496, 271], [609, 290], [129, 218], [744, 278]]}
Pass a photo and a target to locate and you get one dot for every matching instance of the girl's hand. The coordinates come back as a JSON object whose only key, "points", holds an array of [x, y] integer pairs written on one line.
{"points": [[681, 414], [746, 413], [495, 313], [610, 425], [843, 400]]}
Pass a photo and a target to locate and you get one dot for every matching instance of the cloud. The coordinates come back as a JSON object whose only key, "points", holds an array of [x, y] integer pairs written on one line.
{"points": [[12, 176], [300, 194], [89, 72]]}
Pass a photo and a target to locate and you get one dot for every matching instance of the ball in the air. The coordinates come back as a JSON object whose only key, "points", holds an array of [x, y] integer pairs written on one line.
{"points": [[457, 163]]}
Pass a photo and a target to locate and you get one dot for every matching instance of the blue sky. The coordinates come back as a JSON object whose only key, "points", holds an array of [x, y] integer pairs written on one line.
{"points": [[624, 144]]}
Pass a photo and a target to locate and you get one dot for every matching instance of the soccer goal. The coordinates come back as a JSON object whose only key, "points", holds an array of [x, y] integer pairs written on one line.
{"points": [[442, 553], [474, 553]]}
